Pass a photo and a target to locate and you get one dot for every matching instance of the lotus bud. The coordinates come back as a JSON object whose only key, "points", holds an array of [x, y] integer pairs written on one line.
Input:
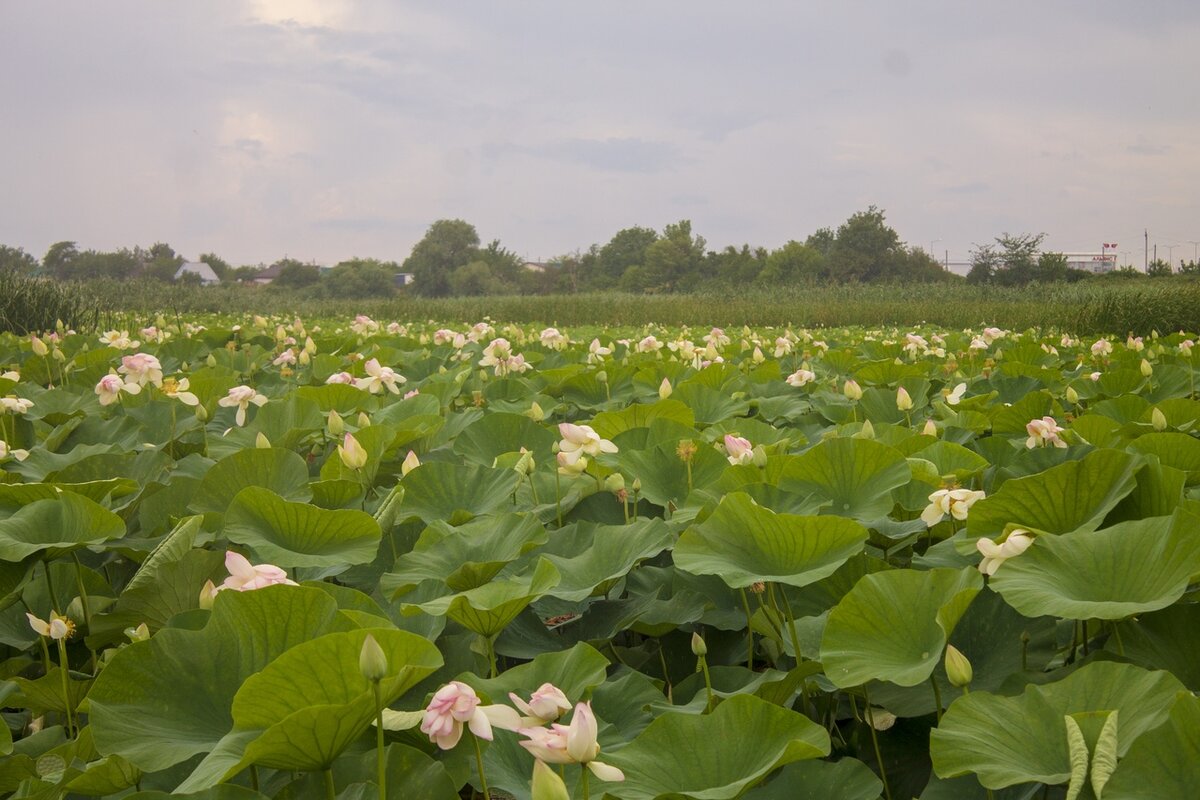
{"points": [[903, 399], [39, 347], [353, 454], [363, 420], [310, 346], [602, 376], [930, 428], [852, 390], [958, 667], [524, 465], [636, 485], [262, 442], [211, 360], [201, 413], [535, 412], [60, 326], [757, 356], [207, 594], [547, 785], [565, 467], [139, 634], [758, 456], [699, 648], [867, 432], [614, 483], [372, 661], [1158, 419], [335, 423], [304, 358], [58, 355], [664, 389], [410, 463], [1072, 396], [1146, 368]]}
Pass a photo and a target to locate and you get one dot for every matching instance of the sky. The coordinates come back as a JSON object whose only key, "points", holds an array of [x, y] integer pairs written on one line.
{"points": [[326, 129]]}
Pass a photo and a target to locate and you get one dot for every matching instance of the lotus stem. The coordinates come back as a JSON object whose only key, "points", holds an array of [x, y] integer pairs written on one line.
{"points": [[64, 667], [330, 789], [870, 717], [533, 491], [587, 795], [937, 697], [708, 705], [491, 651], [487, 795], [381, 758], [83, 601], [749, 632], [1116, 632], [558, 497]]}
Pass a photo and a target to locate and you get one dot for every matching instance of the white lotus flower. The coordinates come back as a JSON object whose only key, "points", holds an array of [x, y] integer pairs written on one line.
{"points": [[994, 555]]}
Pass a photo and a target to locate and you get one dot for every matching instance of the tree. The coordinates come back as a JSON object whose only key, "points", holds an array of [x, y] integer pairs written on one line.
{"points": [[627, 248], [1018, 258], [505, 265], [1050, 268], [984, 262], [475, 278], [793, 263], [446, 246], [160, 261], [1158, 268], [58, 257], [247, 272], [866, 249], [17, 260], [219, 265], [296, 274], [673, 263], [361, 277]]}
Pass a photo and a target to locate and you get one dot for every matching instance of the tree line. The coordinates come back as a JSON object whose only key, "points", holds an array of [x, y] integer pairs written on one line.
{"points": [[451, 260]]}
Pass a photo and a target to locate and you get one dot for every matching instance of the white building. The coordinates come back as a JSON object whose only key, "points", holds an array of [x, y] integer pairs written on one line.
{"points": [[207, 276], [1101, 262]]}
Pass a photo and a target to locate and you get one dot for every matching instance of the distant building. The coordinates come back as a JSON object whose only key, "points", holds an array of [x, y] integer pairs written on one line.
{"points": [[404, 279], [535, 266], [207, 276], [267, 275], [1092, 262]]}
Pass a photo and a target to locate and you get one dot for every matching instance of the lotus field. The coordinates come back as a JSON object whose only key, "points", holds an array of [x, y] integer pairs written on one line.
{"points": [[285, 558]]}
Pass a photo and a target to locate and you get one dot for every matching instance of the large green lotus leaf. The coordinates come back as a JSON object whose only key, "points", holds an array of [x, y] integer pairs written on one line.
{"points": [[225, 792], [576, 671], [376, 440], [174, 590], [598, 555], [286, 424], [715, 756], [1173, 449], [162, 701], [664, 476], [1071, 496], [498, 433], [709, 405], [1164, 763], [744, 543], [487, 609], [893, 626], [300, 534], [1129, 568], [55, 527], [856, 475], [1157, 493], [13, 577], [1010, 420], [339, 397], [609, 424], [1167, 639], [1011, 740], [456, 493], [848, 779], [281, 471], [952, 459], [305, 707], [467, 556]]}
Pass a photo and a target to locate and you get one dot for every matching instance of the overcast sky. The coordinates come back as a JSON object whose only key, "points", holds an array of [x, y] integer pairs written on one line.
{"points": [[323, 129]]}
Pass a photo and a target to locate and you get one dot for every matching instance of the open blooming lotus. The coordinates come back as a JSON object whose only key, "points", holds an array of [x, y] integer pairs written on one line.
{"points": [[379, 378], [551, 338], [738, 450], [118, 339], [456, 703], [649, 344], [1043, 432], [245, 577], [571, 744], [547, 704], [240, 397], [17, 453], [15, 405], [59, 627], [995, 554], [596, 352], [954, 502], [801, 377], [178, 389], [1101, 347], [580, 440], [955, 396], [109, 389], [141, 368]]}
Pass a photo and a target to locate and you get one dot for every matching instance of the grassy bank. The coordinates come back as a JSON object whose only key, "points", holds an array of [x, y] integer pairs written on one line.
{"points": [[1114, 307]]}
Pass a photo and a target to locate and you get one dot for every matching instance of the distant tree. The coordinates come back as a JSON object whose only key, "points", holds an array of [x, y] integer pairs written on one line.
{"points": [[735, 266], [361, 277], [627, 248], [219, 265], [794, 263], [17, 260], [1050, 268], [295, 274], [120, 264], [505, 265], [58, 258], [916, 264], [1018, 258], [446, 246], [1191, 268], [822, 240], [475, 278], [159, 261], [673, 262], [984, 263], [246, 273], [866, 249], [1158, 268]]}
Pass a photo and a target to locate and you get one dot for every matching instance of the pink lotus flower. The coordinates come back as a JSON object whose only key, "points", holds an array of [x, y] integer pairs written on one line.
{"points": [[1043, 432], [141, 368], [547, 704], [801, 377], [245, 577], [340, 377], [456, 703], [109, 389], [241, 397], [571, 744], [580, 440], [380, 378], [738, 450]]}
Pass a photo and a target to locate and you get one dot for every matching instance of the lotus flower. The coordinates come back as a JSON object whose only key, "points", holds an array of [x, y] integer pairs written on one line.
{"points": [[109, 389], [352, 454], [738, 450], [580, 440], [956, 395], [379, 378], [15, 405], [996, 554], [954, 502], [141, 368], [245, 577], [852, 390], [17, 453], [178, 389], [571, 744], [1043, 432], [241, 397], [118, 339], [59, 627], [904, 401], [801, 377], [456, 703], [547, 704], [340, 377]]}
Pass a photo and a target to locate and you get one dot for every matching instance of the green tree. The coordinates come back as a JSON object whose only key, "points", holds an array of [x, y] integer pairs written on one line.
{"points": [[219, 265], [475, 278], [1158, 268], [795, 262], [674, 262], [58, 258], [17, 260], [446, 246], [984, 263], [159, 261], [361, 277], [295, 274], [505, 265], [1050, 268], [822, 241], [866, 249], [627, 248], [1018, 258], [246, 272]]}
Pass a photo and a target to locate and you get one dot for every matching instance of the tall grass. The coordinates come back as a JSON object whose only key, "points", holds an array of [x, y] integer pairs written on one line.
{"points": [[1136, 306], [29, 305]]}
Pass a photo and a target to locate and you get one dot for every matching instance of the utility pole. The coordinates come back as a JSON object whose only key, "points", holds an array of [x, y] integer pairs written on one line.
{"points": [[1146, 265]]}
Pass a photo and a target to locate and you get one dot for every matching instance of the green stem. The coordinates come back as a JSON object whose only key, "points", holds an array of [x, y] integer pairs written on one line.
{"points": [[662, 659], [491, 651], [937, 697], [791, 622], [870, 717], [479, 761], [381, 756], [1116, 629], [533, 491], [749, 632], [330, 789], [254, 777], [689, 474], [50, 587], [708, 706], [83, 600], [558, 497], [65, 666], [587, 795]]}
